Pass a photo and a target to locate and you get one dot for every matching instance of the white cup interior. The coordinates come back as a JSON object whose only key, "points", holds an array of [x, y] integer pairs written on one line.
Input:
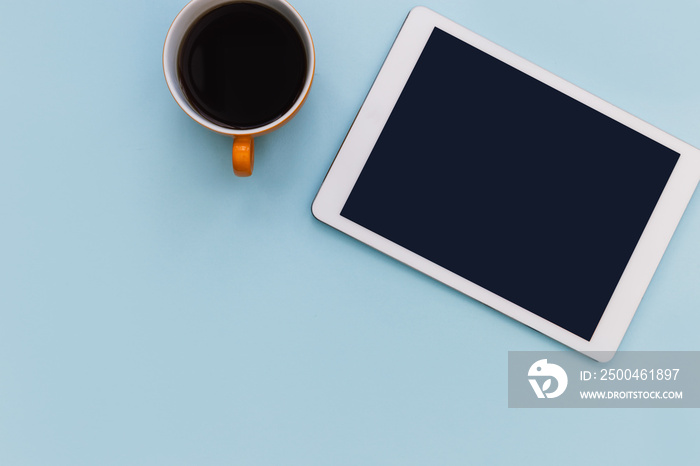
{"points": [[188, 16]]}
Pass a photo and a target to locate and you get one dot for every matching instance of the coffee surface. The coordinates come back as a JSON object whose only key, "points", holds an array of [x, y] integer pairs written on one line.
{"points": [[242, 65]]}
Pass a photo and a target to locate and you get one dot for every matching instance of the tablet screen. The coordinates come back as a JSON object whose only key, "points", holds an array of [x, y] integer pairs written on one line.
{"points": [[510, 184]]}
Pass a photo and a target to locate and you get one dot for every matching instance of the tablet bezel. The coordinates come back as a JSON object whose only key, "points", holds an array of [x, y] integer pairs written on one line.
{"points": [[375, 112]]}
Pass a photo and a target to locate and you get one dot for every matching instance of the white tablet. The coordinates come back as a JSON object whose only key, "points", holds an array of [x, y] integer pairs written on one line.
{"points": [[509, 184]]}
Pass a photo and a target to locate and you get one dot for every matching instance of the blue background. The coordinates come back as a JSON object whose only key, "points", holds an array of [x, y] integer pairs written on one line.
{"points": [[154, 309]]}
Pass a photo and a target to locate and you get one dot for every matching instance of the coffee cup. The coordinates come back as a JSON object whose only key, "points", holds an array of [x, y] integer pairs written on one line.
{"points": [[239, 68]]}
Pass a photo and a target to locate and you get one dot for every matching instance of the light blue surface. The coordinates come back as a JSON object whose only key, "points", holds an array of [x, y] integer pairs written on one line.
{"points": [[156, 310]]}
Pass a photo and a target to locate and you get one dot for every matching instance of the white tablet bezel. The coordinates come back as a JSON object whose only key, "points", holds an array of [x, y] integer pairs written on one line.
{"points": [[374, 114]]}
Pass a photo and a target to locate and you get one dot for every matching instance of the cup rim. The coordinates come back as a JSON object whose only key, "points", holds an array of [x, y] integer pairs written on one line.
{"points": [[171, 48]]}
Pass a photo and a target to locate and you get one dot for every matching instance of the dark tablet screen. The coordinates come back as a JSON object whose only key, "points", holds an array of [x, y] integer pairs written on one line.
{"points": [[510, 184]]}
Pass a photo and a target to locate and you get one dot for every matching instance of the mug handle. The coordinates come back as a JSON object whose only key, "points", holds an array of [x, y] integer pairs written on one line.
{"points": [[243, 156]]}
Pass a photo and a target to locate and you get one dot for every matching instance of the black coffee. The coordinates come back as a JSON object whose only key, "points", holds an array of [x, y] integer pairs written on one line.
{"points": [[242, 65]]}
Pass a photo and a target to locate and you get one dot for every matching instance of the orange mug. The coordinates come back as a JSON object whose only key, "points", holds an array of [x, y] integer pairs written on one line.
{"points": [[196, 16]]}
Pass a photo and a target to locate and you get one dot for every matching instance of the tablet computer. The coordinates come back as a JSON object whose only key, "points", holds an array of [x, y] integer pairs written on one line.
{"points": [[509, 184]]}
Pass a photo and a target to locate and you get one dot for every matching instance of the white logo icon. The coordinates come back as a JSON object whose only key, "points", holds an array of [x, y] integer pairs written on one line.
{"points": [[542, 369]]}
